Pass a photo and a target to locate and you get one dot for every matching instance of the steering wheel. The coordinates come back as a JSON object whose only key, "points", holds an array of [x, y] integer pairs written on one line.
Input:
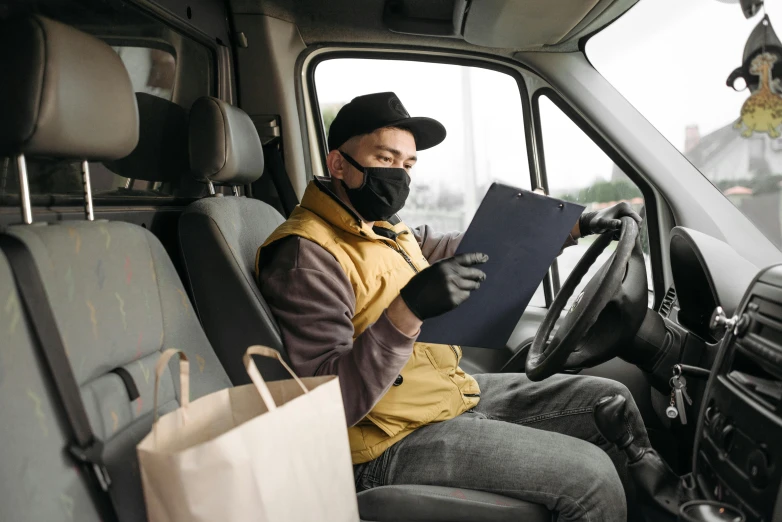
{"points": [[606, 314]]}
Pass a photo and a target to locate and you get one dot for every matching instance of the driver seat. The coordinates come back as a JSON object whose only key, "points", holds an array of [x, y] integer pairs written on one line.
{"points": [[219, 236]]}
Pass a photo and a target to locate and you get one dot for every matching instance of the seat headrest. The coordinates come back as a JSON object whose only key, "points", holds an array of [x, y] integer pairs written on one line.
{"points": [[161, 153], [63, 93], [224, 144]]}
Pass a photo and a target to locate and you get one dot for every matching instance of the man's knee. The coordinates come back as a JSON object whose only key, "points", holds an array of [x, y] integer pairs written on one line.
{"points": [[601, 387], [598, 387]]}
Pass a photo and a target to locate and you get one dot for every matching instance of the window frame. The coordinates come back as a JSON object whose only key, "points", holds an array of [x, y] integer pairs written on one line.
{"points": [[222, 63], [410, 55], [311, 58], [139, 41], [221, 85], [650, 200]]}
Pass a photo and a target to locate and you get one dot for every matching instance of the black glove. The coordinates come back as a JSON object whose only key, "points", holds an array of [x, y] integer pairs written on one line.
{"points": [[443, 286], [607, 219]]}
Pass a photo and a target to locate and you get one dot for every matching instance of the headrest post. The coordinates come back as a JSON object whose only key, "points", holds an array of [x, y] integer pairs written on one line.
{"points": [[24, 189], [211, 187], [236, 191], [129, 183], [85, 178]]}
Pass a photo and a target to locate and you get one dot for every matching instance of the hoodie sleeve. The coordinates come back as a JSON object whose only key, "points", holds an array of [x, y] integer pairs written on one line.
{"points": [[436, 245], [314, 303]]}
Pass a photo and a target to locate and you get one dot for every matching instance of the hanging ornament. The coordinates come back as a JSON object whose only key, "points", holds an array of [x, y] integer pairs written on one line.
{"points": [[751, 7], [762, 112], [763, 39], [759, 72]]}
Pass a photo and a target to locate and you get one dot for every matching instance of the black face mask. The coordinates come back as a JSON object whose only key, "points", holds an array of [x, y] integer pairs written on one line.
{"points": [[383, 192]]}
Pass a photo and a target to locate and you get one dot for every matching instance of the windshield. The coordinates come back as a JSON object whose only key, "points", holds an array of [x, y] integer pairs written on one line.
{"points": [[672, 60]]}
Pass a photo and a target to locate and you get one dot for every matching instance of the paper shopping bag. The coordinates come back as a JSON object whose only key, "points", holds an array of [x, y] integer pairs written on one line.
{"points": [[264, 452]]}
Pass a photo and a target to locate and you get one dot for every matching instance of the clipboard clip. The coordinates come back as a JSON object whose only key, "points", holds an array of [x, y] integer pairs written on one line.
{"points": [[539, 190]]}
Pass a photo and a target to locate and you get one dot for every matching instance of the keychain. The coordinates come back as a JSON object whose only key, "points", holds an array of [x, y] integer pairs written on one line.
{"points": [[671, 410], [679, 395]]}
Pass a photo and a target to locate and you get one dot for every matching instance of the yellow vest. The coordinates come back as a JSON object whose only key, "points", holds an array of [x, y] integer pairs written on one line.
{"points": [[434, 388]]}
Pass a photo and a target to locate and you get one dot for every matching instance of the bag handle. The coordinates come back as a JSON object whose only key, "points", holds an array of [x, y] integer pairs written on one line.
{"points": [[255, 375], [184, 377]]}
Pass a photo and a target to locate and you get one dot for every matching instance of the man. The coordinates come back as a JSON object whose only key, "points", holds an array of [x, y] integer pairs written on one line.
{"points": [[350, 285]]}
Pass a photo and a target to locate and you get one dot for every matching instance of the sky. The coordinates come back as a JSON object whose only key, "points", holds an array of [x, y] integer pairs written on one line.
{"points": [[669, 58]]}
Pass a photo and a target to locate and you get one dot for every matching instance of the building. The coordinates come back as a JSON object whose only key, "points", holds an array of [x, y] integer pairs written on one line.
{"points": [[724, 155], [747, 170]]}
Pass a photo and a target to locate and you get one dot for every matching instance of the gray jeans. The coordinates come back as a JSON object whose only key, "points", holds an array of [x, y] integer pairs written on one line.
{"points": [[534, 441]]}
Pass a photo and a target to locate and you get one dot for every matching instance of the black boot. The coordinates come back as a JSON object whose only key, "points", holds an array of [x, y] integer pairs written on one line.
{"points": [[659, 488]]}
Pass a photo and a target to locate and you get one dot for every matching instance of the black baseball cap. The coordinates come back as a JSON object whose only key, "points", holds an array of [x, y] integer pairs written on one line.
{"points": [[366, 114]]}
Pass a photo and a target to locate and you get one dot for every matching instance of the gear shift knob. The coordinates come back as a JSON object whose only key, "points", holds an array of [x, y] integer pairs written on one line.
{"points": [[610, 414], [611, 420]]}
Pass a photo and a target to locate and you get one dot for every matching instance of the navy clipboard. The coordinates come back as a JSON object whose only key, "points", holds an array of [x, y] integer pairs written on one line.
{"points": [[522, 233]]}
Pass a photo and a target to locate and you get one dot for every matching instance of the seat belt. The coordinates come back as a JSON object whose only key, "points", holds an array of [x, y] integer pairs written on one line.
{"points": [[85, 448], [274, 165], [268, 127]]}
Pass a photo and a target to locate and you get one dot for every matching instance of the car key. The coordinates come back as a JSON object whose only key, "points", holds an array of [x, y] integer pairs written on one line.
{"points": [[686, 395], [671, 412], [682, 385], [680, 393]]}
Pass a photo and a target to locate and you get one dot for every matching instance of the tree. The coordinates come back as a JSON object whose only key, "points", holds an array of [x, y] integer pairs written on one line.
{"points": [[603, 192]]}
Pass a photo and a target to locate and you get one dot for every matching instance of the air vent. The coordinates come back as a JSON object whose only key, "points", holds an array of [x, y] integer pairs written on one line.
{"points": [[668, 300]]}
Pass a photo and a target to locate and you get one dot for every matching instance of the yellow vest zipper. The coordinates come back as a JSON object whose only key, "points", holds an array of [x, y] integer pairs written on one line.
{"points": [[401, 252]]}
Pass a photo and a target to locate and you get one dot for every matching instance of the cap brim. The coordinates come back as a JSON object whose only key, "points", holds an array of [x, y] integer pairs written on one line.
{"points": [[427, 131]]}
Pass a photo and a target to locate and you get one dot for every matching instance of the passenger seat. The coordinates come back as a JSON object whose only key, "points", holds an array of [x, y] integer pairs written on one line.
{"points": [[219, 236], [116, 297]]}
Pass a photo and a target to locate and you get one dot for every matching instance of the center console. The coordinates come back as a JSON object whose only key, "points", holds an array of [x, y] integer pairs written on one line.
{"points": [[738, 447]]}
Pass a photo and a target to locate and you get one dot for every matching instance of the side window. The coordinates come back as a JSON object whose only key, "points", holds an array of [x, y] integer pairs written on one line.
{"points": [[578, 170], [160, 63], [151, 70], [482, 112]]}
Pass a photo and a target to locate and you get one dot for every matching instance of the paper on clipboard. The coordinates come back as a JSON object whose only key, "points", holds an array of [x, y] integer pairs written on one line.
{"points": [[522, 233]]}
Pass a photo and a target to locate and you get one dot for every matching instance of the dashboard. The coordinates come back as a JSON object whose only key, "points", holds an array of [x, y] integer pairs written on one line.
{"points": [[737, 456], [706, 273], [738, 445]]}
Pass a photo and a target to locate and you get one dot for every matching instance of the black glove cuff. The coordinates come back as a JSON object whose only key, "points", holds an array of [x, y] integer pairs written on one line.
{"points": [[409, 301], [584, 221]]}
